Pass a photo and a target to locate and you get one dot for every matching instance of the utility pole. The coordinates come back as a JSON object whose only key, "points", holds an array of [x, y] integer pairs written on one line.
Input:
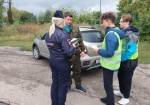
{"points": [[10, 19], [100, 7], [9, 13], [100, 13]]}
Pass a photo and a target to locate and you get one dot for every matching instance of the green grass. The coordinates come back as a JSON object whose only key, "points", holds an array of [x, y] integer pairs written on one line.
{"points": [[25, 45], [24, 35], [144, 52]]}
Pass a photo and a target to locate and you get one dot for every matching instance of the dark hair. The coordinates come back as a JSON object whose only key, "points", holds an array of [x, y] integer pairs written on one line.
{"points": [[127, 18], [109, 16], [68, 14]]}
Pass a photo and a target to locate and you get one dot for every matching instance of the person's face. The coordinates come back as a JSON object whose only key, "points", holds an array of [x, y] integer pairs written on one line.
{"points": [[123, 24], [68, 20], [105, 24]]}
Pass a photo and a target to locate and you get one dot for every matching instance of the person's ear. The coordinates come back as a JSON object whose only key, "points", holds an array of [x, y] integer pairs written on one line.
{"points": [[109, 21]]}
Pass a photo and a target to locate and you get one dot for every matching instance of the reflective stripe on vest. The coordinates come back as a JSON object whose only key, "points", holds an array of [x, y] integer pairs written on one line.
{"points": [[112, 63]]}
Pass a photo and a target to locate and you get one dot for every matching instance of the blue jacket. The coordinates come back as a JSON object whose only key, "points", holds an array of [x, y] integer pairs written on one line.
{"points": [[111, 42], [59, 44], [131, 38]]}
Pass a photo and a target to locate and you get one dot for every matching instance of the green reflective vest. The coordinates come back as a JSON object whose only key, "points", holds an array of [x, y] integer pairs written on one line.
{"points": [[112, 63]]}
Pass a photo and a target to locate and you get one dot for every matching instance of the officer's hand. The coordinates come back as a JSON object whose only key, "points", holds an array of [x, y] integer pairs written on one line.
{"points": [[82, 54]]}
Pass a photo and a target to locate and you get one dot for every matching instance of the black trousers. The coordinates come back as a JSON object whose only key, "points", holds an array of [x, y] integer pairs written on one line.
{"points": [[125, 82], [61, 69], [108, 85]]}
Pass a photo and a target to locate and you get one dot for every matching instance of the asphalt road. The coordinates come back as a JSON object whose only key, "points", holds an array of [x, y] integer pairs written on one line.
{"points": [[26, 81]]}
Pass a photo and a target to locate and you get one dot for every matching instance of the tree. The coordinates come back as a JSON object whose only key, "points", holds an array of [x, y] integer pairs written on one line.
{"points": [[47, 16], [27, 17], [1, 13], [41, 18], [91, 18], [143, 20], [15, 14], [140, 12], [96, 17]]}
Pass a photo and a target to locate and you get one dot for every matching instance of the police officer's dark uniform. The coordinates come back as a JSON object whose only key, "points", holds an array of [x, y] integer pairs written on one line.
{"points": [[61, 49]]}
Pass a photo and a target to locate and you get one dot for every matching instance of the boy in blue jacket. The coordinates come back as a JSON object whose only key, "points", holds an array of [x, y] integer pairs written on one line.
{"points": [[110, 54]]}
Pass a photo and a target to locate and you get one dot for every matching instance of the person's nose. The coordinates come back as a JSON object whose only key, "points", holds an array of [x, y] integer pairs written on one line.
{"points": [[69, 21]]}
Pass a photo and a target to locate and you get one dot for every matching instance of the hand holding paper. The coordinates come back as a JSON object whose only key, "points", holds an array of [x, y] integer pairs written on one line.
{"points": [[95, 49]]}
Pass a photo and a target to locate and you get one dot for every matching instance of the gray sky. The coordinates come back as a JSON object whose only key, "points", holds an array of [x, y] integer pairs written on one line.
{"points": [[37, 6]]}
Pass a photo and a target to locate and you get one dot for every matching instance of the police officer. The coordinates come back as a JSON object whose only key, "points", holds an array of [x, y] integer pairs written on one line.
{"points": [[74, 32], [60, 48]]}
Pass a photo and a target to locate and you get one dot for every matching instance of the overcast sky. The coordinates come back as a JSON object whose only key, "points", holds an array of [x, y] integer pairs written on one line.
{"points": [[37, 6]]}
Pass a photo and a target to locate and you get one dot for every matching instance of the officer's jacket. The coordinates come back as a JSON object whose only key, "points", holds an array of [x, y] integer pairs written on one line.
{"points": [[75, 33], [59, 44]]}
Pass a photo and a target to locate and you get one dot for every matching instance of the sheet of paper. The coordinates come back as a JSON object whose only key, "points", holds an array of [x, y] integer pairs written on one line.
{"points": [[75, 40], [94, 47]]}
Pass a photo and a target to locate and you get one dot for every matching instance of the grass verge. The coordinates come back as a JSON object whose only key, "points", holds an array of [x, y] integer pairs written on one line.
{"points": [[144, 52], [26, 44], [23, 35]]}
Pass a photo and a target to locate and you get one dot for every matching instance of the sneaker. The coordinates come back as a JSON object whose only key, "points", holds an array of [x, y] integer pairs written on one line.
{"points": [[80, 89], [123, 101], [118, 93], [68, 89]]}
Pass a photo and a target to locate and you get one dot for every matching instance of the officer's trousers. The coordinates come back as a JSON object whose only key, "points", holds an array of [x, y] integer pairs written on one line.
{"points": [[125, 81], [61, 70], [108, 85], [76, 71]]}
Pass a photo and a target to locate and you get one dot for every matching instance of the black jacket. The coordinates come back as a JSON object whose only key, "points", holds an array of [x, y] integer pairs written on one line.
{"points": [[129, 65]]}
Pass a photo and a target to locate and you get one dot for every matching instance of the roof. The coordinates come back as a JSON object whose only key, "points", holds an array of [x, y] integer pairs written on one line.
{"points": [[86, 28]]}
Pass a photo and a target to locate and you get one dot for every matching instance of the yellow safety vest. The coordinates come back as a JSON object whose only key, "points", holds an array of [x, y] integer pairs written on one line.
{"points": [[112, 63]]}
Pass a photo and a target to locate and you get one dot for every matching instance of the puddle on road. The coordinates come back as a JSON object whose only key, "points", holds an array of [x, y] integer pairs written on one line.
{"points": [[24, 52]]}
